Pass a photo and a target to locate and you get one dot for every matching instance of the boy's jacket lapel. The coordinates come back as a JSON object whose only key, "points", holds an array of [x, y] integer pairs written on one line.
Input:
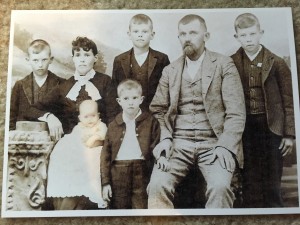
{"points": [[27, 88], [267, 64], [126, 65], [151, 63]]}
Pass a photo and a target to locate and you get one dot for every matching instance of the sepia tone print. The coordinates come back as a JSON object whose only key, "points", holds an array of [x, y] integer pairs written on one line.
{"points": [[32, 138]]}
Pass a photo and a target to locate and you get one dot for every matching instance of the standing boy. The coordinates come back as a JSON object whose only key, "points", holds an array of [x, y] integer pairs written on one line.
{"points": [[34, 86], [126, 158], [270, 129], [141, 62]]}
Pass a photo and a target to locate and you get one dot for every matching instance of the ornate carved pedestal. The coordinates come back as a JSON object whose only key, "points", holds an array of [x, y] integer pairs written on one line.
{"points": [[28, 150]]}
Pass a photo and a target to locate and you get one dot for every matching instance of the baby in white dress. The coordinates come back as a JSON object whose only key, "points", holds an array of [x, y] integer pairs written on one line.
{"points": [[74, 166]]}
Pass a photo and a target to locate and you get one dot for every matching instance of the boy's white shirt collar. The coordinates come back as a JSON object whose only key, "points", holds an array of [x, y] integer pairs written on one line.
{"points": [[126, 119], [40, 81], [193, 66], [252, 57], [141, 58], [90, 88]]}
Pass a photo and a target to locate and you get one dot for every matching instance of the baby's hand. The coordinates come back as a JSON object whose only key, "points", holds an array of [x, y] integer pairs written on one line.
{"points": [[90, 142], [93, 141], [163, 164]]}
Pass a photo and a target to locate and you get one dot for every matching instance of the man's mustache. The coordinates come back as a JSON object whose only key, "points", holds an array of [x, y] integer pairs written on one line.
{"points": [[187, 44]]}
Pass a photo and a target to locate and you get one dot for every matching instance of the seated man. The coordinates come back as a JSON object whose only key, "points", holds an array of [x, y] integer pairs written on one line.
{"points": [[199, 104]]}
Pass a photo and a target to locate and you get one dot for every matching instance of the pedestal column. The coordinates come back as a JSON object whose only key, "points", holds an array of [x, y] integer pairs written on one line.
{"points": [[29, 148]]}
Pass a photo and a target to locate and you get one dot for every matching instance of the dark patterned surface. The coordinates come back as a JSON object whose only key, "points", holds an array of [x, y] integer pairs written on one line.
{"points": [[7, 5]]}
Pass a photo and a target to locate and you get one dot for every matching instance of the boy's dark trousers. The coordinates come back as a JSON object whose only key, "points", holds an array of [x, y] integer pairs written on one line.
{"points": [[263, 164], [129, 180]]}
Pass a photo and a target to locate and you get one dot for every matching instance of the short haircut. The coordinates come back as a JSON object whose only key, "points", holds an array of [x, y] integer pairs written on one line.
{"points": [[129, 84], [191, 17], [38, 45], [246, 20], [84, 43], [88, 104], [141, 19]]}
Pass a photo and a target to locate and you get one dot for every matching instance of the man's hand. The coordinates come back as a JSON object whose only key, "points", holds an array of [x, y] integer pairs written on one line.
{"points": [[106, 192], [163, 164], [286, 146], [55, 127], [164, 145], [224, 157]]}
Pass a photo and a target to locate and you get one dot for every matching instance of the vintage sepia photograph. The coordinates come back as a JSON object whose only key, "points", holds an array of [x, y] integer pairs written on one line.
{"points": [[151, 112]]}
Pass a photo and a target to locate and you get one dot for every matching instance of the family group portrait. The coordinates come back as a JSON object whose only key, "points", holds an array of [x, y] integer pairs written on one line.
{"points": [[151, 112]]}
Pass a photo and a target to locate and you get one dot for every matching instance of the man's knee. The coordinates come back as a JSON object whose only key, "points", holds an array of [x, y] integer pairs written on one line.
{"points": [[219, 187], [160, 183]]}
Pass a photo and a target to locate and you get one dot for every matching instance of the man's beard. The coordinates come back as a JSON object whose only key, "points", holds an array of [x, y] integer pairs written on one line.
{"points": [[189, 50]]}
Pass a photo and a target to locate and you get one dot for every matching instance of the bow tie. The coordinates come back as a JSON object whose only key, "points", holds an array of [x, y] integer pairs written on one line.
{"points": [[90, 88]]}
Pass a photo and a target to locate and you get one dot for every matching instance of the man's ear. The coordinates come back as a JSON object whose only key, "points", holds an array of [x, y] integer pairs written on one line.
{"points": [[235, 36], [206, 36], [262, 32]]}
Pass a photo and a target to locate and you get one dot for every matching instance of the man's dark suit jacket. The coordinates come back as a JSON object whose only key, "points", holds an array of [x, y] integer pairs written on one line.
{"points": [[22, 96], [277, 89], [122, 70]]}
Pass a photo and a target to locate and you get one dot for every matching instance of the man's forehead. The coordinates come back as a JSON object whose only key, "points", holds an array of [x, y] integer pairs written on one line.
{"points": [[192, 25]]}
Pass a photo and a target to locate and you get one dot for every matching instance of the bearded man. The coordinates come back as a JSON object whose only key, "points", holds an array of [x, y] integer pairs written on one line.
{"points": [[199, 104]]}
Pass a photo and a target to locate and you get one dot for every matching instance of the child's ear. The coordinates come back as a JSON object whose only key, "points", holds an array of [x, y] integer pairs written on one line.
{"points": [[235, 36], [129, 34], [142, 98], [118, 100], [152, 34], [262, 32], [51, 59]]}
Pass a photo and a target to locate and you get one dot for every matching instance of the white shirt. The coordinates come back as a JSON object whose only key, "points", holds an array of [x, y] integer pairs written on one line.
{"points": [[40, 81], [141, 58], [252, 57], [130, 148], [192, 67]]}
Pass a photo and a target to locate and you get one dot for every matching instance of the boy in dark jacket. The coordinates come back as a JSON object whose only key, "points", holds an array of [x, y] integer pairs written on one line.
{"points": [[34, 86], [270, 127], [126, 158], [141, 63]]}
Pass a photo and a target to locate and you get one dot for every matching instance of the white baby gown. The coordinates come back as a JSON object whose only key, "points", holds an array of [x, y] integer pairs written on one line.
{"points": [[74, 169]]}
